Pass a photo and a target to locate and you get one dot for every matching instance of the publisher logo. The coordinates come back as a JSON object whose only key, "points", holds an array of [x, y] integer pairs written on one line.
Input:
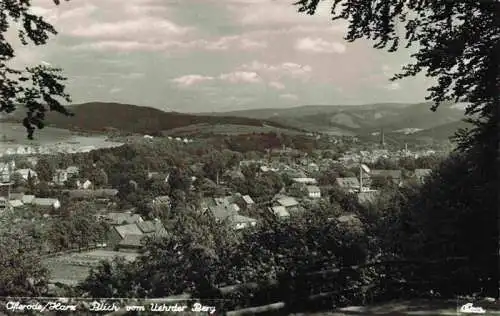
{"points": [[470, 309]]}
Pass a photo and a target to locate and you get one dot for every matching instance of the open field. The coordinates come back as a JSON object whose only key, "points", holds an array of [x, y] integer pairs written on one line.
{"points": [[225, 129], [73, 268], [16, 133]]}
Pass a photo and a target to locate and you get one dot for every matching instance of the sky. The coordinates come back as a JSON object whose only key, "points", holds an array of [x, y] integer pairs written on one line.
{"points": [[214, 55]]}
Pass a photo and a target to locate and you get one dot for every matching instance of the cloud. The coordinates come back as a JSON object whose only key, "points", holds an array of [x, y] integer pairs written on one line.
{"points": [[265, 12], [288, 96], [189, 80], [228, 42], [241, 76], [276, 85], [319, 45], [277, 71], [147, 27]]}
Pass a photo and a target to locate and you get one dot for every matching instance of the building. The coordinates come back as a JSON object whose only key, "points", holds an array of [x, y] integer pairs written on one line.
{"points": [[46, 203], [118, 233], [313, 192], [310, 181], [349, 184], [289, 203], [280, 212], [115, 218], [396, 176], [241, 222], [60, 177]]}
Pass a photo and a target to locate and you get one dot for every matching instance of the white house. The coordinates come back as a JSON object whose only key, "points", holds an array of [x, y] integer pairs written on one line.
{"points": [[310, 181], [313, 191], [83, 184], [280, 212], [47, 202]]}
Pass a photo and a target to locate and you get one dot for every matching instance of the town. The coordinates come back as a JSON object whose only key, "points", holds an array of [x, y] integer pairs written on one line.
{"points": [[241, 189]]}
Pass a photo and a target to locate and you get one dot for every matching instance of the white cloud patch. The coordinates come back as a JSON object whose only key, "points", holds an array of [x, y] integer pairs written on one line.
{"points": [[276, 12], [241, 76], [319, 45], [145, 27], [229, 42], [278, 71], [189, 80]]}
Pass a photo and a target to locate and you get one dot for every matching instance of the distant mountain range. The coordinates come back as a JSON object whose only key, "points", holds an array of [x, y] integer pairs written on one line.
{"points": [[415, 120], [100, 117], [366, 119]]}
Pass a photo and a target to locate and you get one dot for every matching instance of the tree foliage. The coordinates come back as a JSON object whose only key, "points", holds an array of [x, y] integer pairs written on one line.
{"points": [[38, 88], [457, 44]]}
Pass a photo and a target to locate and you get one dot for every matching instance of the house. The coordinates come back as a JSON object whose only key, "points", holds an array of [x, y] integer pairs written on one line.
{"points": [[221, 212], [60, 177], [85, 185], [46, 203], [422, 174], [3, 203], [246, 202], [289, 203], [118, 233], [313, 192], [17, 196], [127, 229], [16, 203], [310, 181], [158, 176], [131, 243], [241, 222], [115, 218], [27, 199], [152, 228], [72, 171], [395, 176], [348, 184], [280, 212]]}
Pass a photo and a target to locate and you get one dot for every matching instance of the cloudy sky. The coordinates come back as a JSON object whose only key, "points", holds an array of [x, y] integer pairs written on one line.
{"points": [[214, 55]]}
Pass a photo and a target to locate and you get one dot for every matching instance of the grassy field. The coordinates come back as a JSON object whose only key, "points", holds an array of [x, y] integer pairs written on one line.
{"points": [[75, 267], [16, 133], [225, 129]]}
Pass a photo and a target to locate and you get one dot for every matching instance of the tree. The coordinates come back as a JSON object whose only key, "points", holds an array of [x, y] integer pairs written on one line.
{"points": [[38, 88], [22, 272], [458, 45], [45, 169]]}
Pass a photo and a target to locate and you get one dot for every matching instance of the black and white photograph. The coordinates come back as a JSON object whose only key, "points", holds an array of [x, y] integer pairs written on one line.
{"points": [[249, 157]]}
